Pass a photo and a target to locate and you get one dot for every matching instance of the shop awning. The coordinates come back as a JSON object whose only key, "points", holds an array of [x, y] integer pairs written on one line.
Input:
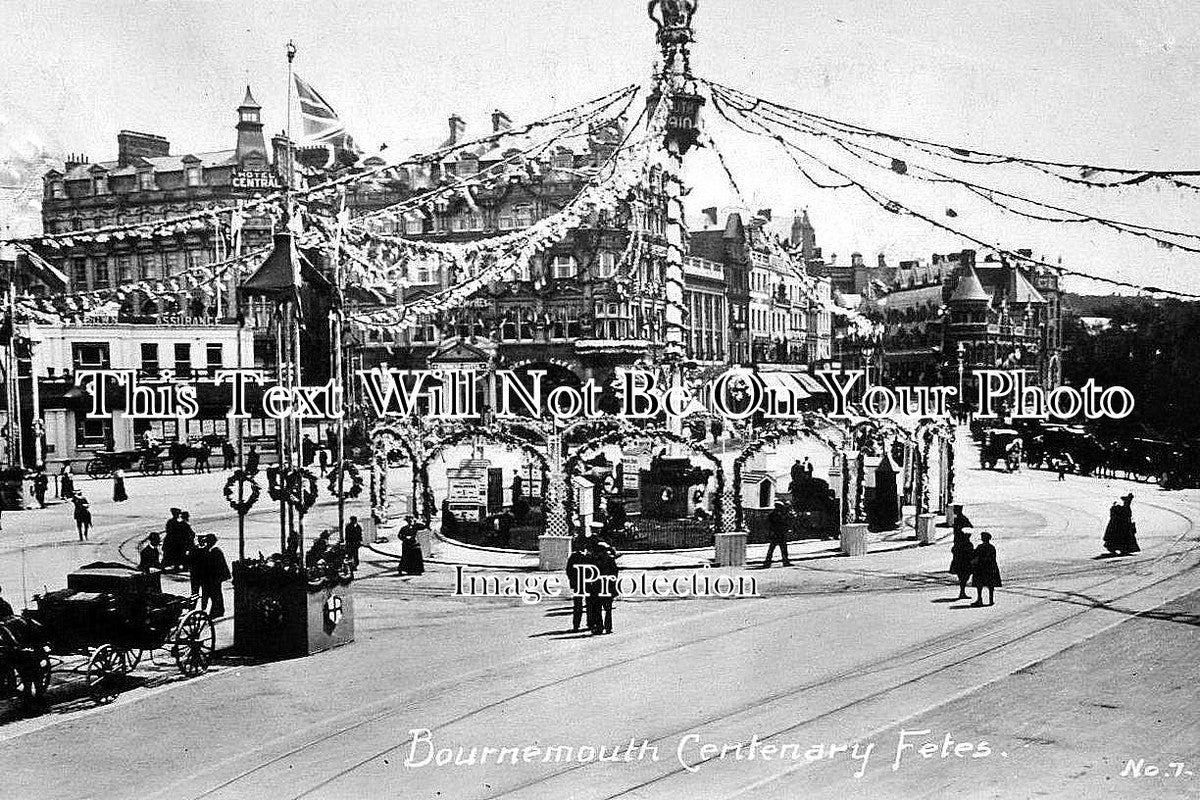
{"points": [[783, 384]]}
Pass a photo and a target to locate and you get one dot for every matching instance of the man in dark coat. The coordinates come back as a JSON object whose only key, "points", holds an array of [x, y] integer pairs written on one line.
{"points": [[962, 555], [504, 524], [228, 455], [252, 460], [148, 553], [209, 561], [986, 572], [40, 484], [354, 539], [6, 610], [778, 525], [576, 574], [606, 562]]}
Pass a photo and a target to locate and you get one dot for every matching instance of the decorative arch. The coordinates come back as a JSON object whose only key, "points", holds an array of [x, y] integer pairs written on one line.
{"points": [[383, 436], [930, 431]]}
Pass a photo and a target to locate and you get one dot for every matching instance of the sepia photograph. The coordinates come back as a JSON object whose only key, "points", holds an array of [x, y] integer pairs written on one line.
{"points": [[598, 400]]}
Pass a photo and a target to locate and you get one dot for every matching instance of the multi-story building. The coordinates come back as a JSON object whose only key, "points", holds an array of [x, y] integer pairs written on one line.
{"points": [[948, 317], [145, 183], [588, 304]]}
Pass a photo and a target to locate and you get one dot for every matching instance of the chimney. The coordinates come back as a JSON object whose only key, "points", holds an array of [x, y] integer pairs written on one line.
{"points": [[710, 216], [132, 145], [457, 129], [500, 121], [882, 261], [856, 260], [74, 160]]}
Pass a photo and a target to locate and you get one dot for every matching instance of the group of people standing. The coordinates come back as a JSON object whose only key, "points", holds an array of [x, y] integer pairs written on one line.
{"points": [[591, 573], [182, 550], [974, 563]]}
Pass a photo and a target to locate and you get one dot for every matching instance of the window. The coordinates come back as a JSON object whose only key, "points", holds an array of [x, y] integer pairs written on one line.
{"points": [[58, 190], [150, 358], [193, 176], [606, 264], [124, 269], [564, 159], [100, 273], [173, 263], [146, 181], [522, 216], [100, 184], [425, 271], [92, 432], [414, 225], [213, 357], [183, 360], [79, 274], [90, 355], [466, 166], [564, 267]]}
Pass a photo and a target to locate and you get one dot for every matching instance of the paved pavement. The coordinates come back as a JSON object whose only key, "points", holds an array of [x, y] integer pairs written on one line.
{"points": [[834, 651]]}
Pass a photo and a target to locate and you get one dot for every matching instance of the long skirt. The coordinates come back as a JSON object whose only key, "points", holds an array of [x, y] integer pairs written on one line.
{"points": [[412, 562]]}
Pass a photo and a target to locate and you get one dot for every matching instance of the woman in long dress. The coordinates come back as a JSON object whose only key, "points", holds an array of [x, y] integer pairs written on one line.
{"points": [[119, 495], [986, 572], [961, 554], [412, 562], [66, 482]]}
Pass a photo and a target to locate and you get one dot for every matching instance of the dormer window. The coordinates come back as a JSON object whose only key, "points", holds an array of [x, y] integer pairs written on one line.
{"points": [[100, 184], [146, 181], [193, 176], [58, 190]]}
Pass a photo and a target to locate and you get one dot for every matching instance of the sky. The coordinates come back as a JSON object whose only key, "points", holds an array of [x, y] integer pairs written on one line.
{"points": [[1114, 82]]}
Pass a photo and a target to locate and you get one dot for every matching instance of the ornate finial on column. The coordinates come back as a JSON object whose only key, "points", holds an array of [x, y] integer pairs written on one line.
{"points": [[674, 21]]}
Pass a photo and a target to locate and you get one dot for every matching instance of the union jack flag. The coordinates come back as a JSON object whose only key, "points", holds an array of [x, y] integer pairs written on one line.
{"points": [[321, 123]]}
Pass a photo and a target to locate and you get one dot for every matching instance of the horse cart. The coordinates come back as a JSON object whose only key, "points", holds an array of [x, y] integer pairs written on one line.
{"points": [[146, 459], [102, 625]]}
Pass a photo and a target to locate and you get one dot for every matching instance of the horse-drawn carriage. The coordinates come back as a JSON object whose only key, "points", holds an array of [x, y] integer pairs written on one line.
{"points": [[102, 625], [1001, 446], [146, 459]]}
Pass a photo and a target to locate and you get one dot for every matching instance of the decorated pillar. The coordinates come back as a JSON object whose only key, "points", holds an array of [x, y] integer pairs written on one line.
{"points": [[677, 87]]}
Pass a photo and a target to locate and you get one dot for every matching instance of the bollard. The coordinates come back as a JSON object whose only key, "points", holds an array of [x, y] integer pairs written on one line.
{"points": [[854, 539], [553, 552], [731, 548], [925, 528]]}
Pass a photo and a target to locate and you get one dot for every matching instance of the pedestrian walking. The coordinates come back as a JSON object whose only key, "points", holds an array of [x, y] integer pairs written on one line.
{"points": [[323, 461], [209, 571], [203, 453], [148, 557], [353, 536], [986, 572], [606, 563], [308, 450], [577, 570], [228, 455], [119, 495], [962, 554], [504, 524], [178, 452], [66, 482], [779, 524], [959, 520], [1120, 536], [40, 485], [83, 516], [412, 562], [252, 459]]}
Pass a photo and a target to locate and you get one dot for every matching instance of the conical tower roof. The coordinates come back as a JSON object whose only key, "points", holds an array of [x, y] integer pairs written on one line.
{"points": [[248, 101], [970, 289]]}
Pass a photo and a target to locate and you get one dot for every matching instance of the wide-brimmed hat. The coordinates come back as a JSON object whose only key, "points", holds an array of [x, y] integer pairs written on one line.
{"points": [[206, 537], [1127, 496], [176, 511]]}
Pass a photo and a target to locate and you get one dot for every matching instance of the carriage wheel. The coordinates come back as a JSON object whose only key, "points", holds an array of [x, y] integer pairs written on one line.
{"points": [[97, 468], [104, 674], [129, 659], [194, 643], [151, 466]]}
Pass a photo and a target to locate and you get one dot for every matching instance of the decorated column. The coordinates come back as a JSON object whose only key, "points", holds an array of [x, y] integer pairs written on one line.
{"points": [[674, 23], [554, 546]]}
